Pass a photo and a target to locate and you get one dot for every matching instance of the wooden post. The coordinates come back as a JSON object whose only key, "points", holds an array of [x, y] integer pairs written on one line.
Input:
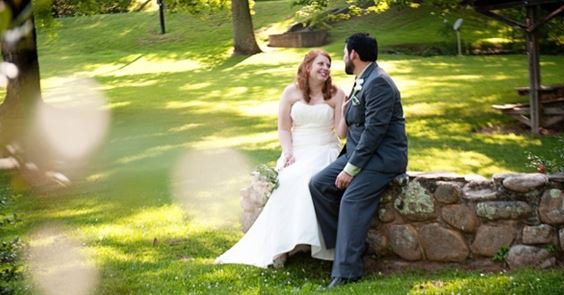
{"points": [[534, 68]]}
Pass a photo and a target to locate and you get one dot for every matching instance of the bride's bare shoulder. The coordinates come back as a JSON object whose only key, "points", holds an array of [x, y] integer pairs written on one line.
{"points": [[337, 97], [291, 93]]}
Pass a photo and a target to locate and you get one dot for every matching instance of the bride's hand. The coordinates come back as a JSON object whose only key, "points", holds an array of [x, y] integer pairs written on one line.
{"points": [[289, 160]]}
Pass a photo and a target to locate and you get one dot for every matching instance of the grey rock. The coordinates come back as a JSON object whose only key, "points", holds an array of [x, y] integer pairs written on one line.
{"points": [[498, 178], [378, 243], [561, 238], [401, 180], [489, 239], [528, 256], [556, 177], [479, 191], [439, 175], [551, 209], [503, 210], [548, 263], [404, 242], [415, 203], [461, 217], [525, 182], [448, 192], [387, 196], [441, 244], [539, 234], [474, 177], [386, 214]]}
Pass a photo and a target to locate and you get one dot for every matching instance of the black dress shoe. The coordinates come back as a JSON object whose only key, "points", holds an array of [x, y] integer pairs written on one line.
{"points": [[338, 281]]}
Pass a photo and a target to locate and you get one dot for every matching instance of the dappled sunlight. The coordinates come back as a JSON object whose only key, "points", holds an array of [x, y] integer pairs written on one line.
{"points": [[274, 58], [456, 78], [184, 127], [407, 85], [116, 105], [144, 224], [176, 104], [215, 142], [145, 65], [510, 138], [256, 109], [273, 28], [398, 67], [422, 108], [486, 283], [453, 160], [235, 91], [149, 153], [137, 136], [139, 64], [101, 176], [76, 212], [437, 128], [206, 183], [498, 40], [195, 86], [107, 254], [58, 264]]}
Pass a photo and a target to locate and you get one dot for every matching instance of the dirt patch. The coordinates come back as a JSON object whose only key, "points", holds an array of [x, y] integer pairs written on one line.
{"points": [[517, 128], [384, 266], [391, 266]]}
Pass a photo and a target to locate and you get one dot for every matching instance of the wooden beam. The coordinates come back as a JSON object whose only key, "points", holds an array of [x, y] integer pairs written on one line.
{"points": [[503, 19], [488, 5], [547, 18], [534, 70]]}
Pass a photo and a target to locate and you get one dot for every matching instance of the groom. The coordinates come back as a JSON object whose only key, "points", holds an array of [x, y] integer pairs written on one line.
{"points": [[347, 192]]}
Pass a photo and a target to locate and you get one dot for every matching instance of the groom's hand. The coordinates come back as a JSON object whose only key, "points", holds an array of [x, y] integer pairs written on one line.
{"points": [[343, 180]]}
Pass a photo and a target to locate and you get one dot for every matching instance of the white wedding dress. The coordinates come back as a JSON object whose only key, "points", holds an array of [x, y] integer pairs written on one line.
{"points": [[288, 219]]}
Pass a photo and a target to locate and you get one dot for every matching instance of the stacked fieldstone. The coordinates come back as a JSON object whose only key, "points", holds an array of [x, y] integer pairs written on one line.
{"points": [[444, 217]]}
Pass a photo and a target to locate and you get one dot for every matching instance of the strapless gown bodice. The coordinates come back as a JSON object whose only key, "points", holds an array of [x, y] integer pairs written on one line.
{"points": [[312, 124]]}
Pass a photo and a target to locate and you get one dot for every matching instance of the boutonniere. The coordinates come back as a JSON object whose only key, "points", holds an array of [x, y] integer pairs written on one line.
{"points": [[358, 85], [355, 101]]}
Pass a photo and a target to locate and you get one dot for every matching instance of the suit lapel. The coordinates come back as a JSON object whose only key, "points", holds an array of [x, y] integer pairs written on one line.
{"points": [[364, 76]]}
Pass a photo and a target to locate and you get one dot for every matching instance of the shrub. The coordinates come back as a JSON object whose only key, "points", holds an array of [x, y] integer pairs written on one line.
{"points": [[542, 164], [10, 271], [64, 8], [501, 254]]}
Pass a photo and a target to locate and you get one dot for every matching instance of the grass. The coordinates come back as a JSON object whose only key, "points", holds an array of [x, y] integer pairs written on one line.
{"points": [[154, 209]]}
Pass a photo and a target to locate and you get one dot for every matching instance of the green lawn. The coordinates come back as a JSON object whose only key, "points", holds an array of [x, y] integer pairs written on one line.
{"points": [[159, 198]]}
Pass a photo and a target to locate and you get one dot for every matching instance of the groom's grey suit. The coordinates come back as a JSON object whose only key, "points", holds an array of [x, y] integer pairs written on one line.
{"points": [[377, 147]]}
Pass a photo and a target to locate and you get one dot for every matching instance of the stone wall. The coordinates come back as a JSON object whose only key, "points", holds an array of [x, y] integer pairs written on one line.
{"points": [[449, 218], [298, 39], [443, 217]]}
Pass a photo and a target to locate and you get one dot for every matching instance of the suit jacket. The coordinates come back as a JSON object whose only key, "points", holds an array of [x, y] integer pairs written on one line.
{"points": [[376, 138]]}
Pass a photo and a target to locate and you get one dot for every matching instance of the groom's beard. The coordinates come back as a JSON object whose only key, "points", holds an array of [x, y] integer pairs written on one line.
{"points": [[349, 67]]}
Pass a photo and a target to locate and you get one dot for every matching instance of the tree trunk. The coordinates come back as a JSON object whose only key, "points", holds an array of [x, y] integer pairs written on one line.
{"points": [[23, 91], [243, 33]]}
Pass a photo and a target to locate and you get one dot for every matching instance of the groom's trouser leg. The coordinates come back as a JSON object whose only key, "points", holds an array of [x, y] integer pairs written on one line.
{"points": [[357, 208], [326, 200]]}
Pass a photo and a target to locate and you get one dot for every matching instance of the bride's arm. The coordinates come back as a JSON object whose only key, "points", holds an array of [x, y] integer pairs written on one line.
{"points": [[340, 124], [285, 125]]}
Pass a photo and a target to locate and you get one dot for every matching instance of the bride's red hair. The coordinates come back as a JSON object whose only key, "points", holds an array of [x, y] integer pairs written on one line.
{"points": [[303, 76]]}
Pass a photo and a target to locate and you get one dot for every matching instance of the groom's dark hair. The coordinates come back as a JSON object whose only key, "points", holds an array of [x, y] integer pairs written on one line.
{"points": [[364, 45]]}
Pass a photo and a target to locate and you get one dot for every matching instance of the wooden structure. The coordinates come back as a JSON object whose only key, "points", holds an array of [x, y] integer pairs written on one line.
{"points": [[532, 22], [551, 102]]}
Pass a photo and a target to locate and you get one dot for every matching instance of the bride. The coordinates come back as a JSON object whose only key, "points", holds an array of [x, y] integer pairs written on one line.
{"points": [[309, 118]]}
